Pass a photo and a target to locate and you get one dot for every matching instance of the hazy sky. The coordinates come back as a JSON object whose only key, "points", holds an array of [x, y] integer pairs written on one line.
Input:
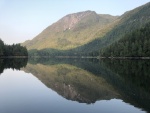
{"points": [[21, 20]]}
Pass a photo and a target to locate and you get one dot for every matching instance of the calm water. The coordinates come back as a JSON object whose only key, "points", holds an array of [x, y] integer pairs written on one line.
{"points": [[74, 86]]}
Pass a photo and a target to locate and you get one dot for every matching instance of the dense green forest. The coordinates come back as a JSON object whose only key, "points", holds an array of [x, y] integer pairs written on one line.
{"points": [[12, 50], [134, 44]]}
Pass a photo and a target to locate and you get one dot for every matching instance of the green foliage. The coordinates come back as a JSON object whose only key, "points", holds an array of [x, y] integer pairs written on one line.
{"points": [[12, 50], [45, 52], [1, 47], [134, 44]]}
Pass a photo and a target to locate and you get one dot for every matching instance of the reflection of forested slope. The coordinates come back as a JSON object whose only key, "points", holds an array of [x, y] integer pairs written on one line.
{"points": [[129, 77], [134, 80], [72, 82]]}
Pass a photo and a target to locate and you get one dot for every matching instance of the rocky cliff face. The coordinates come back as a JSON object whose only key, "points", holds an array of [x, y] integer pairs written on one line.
{"points": [[70, 21]]}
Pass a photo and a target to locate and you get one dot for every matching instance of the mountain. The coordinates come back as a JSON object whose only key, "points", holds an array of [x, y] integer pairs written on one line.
{"points": [[72, 31], [128, 22], [87, 33]]}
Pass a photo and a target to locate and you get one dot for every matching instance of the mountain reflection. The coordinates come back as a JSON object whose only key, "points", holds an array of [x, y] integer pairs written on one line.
{"points": [[72, 82], [14, 63], [89, 80]]}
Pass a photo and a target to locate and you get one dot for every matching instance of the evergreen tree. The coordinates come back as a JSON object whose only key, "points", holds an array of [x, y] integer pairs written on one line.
{"points": [[12, 50], [1, 47], [135, 44]]}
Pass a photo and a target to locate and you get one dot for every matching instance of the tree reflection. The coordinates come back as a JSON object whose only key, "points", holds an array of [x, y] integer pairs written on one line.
{"points": [[14, 63]]}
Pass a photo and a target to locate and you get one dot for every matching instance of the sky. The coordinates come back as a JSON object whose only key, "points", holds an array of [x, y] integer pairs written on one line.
{"points": [[22, 20]]}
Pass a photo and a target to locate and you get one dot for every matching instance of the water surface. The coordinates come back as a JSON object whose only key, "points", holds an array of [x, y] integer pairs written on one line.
{"points": [[74, 85]]}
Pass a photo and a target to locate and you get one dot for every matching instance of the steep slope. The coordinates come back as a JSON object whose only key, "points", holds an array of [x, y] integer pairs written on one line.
{"points": [[128, 22], [72, 31]]}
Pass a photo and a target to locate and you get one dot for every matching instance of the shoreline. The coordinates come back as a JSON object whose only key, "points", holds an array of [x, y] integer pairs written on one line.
{"points": [[88, 57], [13, 57], [134, 58]]}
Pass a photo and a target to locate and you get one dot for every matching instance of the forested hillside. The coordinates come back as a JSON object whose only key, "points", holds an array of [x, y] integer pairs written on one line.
{"points": [[121, 27], [12, 50], [129, 22], [135, 44]]}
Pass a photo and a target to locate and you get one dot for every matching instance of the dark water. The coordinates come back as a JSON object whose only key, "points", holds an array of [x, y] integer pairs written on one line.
{"points": [[74, 86]]}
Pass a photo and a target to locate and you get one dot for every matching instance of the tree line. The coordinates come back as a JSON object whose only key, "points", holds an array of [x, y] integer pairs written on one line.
{"points": [[12, 50], [135, 44]]}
